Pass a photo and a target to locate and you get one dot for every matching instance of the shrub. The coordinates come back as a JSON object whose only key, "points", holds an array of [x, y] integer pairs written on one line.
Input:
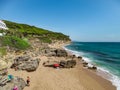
{"points": [[45, 40], [15, 42]]}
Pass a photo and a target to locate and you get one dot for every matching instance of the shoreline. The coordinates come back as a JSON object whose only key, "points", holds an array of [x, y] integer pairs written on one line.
{"points": [[99, 72], [77, 78]]}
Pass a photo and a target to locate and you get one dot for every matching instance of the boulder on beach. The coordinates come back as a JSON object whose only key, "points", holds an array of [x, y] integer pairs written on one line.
{"points": [[89, 66], [56, 52], [80, 57], [93, 67], [30, 65], [61, 53], [25, 63], [68, 64], [22, 58], [85, 64]]}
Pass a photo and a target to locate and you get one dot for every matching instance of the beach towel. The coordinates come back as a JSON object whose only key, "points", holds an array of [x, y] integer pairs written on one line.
{"points": [[56, 65]]}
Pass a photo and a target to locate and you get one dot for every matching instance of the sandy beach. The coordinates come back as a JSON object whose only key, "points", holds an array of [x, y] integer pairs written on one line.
{"points": [[77, 78], [59, 45]]}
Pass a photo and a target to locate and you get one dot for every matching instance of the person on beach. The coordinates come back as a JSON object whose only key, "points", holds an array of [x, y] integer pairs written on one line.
{"points": [[15, 88], [28, 81]]}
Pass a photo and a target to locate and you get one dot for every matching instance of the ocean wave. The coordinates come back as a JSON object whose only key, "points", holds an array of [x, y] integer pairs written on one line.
{"points": [[76, 53], [107, 74]]}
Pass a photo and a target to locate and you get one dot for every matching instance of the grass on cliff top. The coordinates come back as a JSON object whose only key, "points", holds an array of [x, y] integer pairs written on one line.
{"points": [[27, 30], [15, 42]]}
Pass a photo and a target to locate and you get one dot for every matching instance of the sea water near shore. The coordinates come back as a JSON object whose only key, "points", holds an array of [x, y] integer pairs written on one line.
{"points": [[105, 55]]}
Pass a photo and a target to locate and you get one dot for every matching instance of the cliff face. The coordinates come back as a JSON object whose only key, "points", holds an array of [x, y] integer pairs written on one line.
{"points": [[19, 35], [26, 38]]}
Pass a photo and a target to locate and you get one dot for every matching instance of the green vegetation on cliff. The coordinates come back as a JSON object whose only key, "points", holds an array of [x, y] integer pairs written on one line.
{"points": [[27, 30], [15, 42], [18, 35]]}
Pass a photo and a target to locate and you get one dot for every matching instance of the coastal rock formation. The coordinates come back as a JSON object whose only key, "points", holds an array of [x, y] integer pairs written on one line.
{"points": [[6, 84], [85, 64], [30, 66], [50, 52], [56, 52], [80, 57], [68, 64], [25, 63], [89, 66], [61, 53], [62, 64], [92, 67]]}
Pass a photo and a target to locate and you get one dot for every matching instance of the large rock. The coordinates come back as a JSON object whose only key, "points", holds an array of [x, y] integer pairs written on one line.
{"points": [[25, 63], [61, 53], [30, 65], [56, 52], [50, 52], [85, 64], [9, 85], [92, 67], [68, 64], [22, 58]]}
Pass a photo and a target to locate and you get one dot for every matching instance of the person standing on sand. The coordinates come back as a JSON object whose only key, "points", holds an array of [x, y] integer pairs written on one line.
{"points": [[28, 81]]}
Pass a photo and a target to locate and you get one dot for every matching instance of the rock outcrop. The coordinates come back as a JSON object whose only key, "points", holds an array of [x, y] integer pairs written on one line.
{"points": [[62, 64], [92, 67], [68, 64], [25, 63], [56, 52], [89, 66]]}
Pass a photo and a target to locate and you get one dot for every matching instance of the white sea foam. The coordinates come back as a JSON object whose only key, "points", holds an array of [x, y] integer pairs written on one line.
{"points": [[76, 53], [111, 77], [87, 60]]}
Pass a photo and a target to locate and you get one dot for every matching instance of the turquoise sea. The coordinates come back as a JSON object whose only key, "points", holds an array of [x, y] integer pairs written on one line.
{"points": [[105, 55]]}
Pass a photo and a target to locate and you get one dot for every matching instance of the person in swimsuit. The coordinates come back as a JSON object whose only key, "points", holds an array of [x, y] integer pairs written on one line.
{"points": [[28, 81]]}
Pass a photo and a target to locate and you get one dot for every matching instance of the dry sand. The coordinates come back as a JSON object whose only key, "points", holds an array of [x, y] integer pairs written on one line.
{"points": [[78, 78]]}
